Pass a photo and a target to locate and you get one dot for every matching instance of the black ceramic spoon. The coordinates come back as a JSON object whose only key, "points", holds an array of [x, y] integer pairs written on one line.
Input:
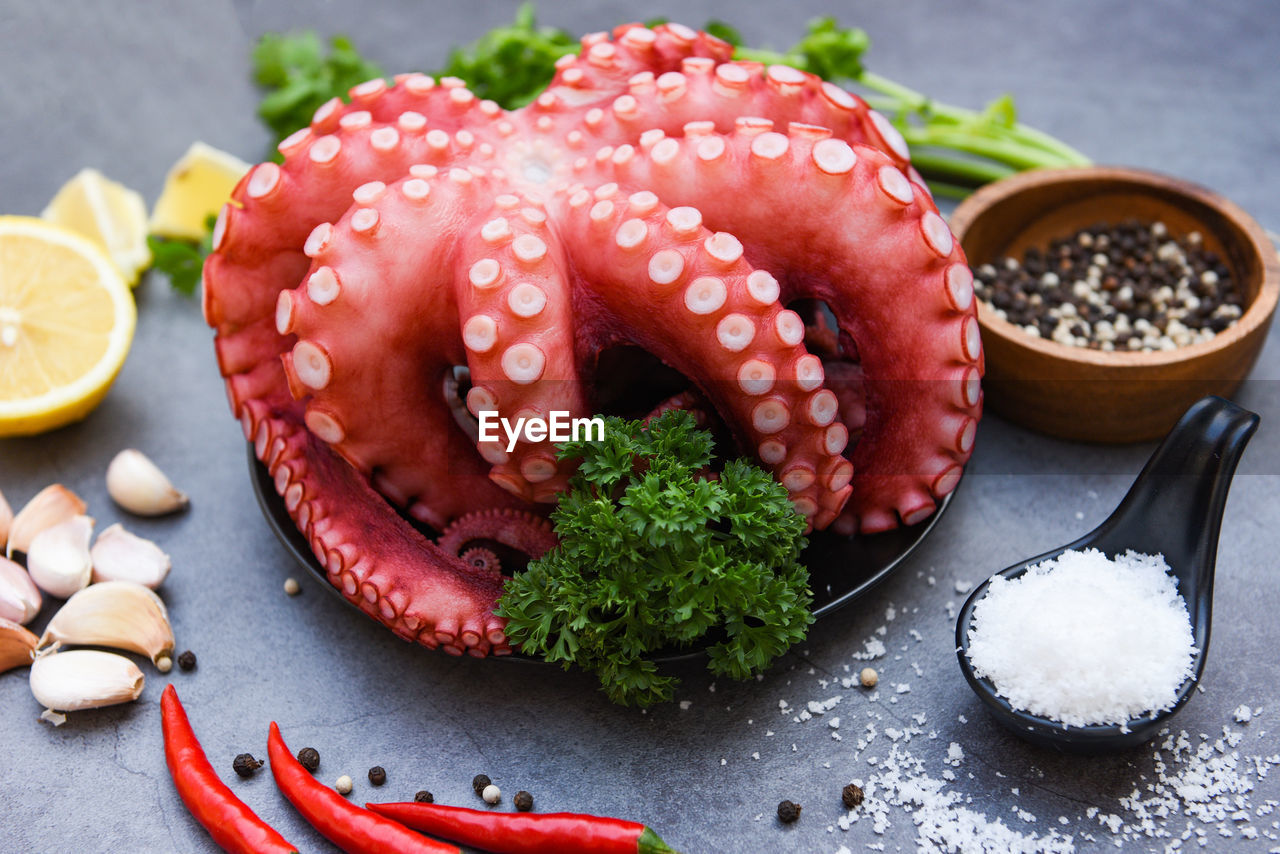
{"points": [[1174, 508]]}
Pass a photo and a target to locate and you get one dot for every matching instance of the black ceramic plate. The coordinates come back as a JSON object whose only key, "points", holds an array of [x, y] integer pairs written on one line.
{"points": [[840, 568]]}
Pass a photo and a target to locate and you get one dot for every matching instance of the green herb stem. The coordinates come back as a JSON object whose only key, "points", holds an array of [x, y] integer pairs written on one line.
{"points": [[960, 170]]}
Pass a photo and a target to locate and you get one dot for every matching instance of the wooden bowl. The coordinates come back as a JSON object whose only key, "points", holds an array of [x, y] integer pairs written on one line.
{"points": [[1119, 396]]}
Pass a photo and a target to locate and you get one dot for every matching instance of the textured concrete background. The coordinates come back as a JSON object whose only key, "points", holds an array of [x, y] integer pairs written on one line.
{"points": [[126, 87]]}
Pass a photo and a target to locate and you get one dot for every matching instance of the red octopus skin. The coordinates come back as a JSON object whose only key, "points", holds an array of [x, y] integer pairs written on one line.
{"points": [[656, 194]]}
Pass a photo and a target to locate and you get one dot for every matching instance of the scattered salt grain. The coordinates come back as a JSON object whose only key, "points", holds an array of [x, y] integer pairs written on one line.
{"points": [[1243, 714], [1083, 639]]}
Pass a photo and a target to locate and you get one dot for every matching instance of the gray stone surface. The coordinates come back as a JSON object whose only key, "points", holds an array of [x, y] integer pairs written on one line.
{"points": [[1178, 87]]}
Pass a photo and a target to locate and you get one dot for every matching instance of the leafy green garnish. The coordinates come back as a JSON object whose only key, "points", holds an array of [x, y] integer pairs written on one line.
{"points": [[299, 75], [512, 64], [182, 260], [655, 555]]}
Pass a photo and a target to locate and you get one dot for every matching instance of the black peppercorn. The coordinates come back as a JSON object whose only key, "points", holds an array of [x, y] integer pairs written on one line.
{"points": [[377, 775], [788, 812], [479, 782], [424, 797], [523, 801], [851, 795], [310, 758], [245, 764], [187, 660]]}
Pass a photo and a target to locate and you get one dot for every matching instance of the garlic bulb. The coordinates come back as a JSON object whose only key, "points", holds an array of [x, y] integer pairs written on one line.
{"points": [[119, 555], [19, 598], [51, 505], [6, 519], [118, 614], [16, 645], [58, 557], [84, 679], [137, 485]]}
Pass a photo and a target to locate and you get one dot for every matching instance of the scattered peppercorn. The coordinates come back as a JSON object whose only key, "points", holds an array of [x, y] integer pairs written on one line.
{"points": [[377, 775], [1131, 286], [310, 758], [868, 677], [187, 660], [479, 782], [291, 586], [164, 664], [523, 801], [424, 797], [343, 785], [788, 812], [491, 794], [245, 764], [851, 795]]}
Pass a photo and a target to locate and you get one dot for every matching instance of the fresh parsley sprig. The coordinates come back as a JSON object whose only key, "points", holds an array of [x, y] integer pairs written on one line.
{"points": [[182, 260], [655, 555], [299, 74]]}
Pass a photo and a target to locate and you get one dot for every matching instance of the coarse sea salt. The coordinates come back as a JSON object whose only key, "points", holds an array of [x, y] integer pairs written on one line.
{"points": [[1083, 639]]}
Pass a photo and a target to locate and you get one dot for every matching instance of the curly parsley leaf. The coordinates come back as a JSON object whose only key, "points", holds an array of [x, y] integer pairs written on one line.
{"points": [[656, 555]]}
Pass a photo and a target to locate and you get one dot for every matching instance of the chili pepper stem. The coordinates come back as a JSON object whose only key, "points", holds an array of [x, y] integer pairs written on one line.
{"points": [[650, 843]]}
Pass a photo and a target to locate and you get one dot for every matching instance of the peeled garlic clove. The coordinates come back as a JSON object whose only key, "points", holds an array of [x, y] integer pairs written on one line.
{"points": [[19, 598], [6, 519], [140, 487], [52, 505], [118, 614], [16, 645], [121, 556], [58, 558], [84, 679]]}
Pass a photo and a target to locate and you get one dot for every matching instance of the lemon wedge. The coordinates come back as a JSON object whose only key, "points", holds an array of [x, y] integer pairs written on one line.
{"points": [[109, 214], [66, 322], [196, 186]]}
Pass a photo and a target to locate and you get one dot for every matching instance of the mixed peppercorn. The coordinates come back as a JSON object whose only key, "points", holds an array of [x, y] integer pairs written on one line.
{"points": [[1132, 286]]}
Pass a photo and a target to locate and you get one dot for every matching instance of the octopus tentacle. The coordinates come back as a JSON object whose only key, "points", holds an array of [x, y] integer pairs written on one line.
{"points": [[709, 315], [515, 301], [524, 532], [865, 241], [705, 96], [374, 379], [605, 65], [378, 562]]}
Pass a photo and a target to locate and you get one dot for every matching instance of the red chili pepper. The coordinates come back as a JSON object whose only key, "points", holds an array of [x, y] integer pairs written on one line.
{"points": [[232, 825], [528, 833], [354, 830]]}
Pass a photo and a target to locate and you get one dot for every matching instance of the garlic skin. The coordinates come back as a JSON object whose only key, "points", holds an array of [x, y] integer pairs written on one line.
{"points": [[6, 519], [58, 558], [51, 505], [138, 485], [20, 599], [119, 614], [16, 645], [84, 679], [119, 555]]}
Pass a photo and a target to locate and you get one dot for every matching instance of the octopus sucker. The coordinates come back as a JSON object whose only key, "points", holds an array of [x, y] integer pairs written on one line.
{"points": [[422, 262]]}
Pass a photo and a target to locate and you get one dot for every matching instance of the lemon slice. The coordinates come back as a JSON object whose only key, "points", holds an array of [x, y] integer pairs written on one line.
{"points": [[66, 321], [196, 186], [109, 214]]}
